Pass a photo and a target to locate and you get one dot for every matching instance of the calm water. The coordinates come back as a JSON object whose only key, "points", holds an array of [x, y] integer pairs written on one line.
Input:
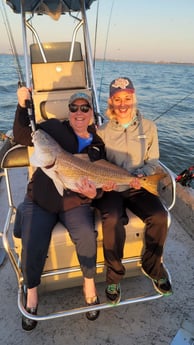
{"points": [[164, 91]]}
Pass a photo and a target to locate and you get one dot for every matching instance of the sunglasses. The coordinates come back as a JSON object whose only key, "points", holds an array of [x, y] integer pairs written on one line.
{"points": [[73, 108]]}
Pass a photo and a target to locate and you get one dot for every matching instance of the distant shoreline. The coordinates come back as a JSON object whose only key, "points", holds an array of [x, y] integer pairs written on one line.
{"points": [[151, 62], [134, 61]]}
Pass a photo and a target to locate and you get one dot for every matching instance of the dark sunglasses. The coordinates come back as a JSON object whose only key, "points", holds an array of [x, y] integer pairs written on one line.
{"points": [[83, 107]]}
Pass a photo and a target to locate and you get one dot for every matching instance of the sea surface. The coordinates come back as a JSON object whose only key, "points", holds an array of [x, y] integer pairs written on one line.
{"points": [[165, 94]]}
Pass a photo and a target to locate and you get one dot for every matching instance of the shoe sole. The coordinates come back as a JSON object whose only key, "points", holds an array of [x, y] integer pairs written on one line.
{"points": [[28, 328], [93, 317], [166, 294]]}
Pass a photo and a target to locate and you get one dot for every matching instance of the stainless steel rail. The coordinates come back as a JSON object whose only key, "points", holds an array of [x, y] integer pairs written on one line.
{"points": [[16, 267]]}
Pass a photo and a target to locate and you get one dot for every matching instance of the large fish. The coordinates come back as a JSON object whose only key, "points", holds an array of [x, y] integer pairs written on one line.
{"points": [[66, 169]]}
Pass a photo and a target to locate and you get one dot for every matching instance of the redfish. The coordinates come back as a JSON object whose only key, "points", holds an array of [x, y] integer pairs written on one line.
{"points": [[66, 169]]}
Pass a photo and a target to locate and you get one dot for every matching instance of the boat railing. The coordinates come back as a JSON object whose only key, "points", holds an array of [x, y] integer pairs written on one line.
{"points": [[172, 185], [69, 273], [49, 98]]}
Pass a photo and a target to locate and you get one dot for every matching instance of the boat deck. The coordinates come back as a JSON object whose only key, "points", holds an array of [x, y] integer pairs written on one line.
{"points": [[150, 323]]}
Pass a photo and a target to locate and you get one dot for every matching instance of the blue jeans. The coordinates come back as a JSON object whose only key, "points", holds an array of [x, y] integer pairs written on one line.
{"points": [[36, 229]]}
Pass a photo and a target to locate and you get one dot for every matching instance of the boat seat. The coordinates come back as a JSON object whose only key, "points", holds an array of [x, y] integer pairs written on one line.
{"points": [[59, 70], [53, 104], [16, 157], [56, 52], [62, 255], [57, 78]]}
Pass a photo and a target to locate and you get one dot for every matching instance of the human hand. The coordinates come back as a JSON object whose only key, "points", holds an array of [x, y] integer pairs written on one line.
{"points": [[109, 186], [23, 94], [86, 188], [135, 183]]}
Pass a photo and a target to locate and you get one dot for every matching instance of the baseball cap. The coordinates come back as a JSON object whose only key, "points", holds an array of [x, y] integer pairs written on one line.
{"points": [[81, 95], [121, 84]]}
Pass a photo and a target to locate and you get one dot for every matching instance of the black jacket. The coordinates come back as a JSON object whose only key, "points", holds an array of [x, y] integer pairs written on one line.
{"points": [[41, 188]]}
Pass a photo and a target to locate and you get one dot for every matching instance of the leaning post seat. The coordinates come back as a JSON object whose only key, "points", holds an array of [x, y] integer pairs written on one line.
{"points": [[51, 100], [53, 104], [62, 254], [62, 266], [56, 75]]}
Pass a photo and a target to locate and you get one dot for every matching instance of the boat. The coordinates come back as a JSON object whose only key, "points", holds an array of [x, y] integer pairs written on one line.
{"points": [[56, 70]]}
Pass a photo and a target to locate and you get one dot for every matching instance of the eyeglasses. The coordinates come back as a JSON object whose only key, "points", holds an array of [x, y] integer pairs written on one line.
{"points": [[83, 107]]}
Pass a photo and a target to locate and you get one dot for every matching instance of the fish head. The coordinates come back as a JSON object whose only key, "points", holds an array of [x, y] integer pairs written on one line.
{"points": [[45, 149]]}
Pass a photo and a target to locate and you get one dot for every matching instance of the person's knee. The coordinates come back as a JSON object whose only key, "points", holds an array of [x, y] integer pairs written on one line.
{"points": [[110, 217], [163, 216], [160, 217], [115, 216]]}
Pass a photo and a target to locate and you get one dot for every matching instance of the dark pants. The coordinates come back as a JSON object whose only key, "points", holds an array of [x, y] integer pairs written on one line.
{"points": [[147, 207], [111, 207], [36, 229]]}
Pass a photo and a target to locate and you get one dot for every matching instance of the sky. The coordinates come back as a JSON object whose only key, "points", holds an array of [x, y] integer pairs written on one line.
{"points": [[140, 30]]}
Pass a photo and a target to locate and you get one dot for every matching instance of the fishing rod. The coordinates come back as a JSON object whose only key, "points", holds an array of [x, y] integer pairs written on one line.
{"points": [[173, 106], [12, 45], [184, 178], [21, 82], [95, 39], [106, 43]]}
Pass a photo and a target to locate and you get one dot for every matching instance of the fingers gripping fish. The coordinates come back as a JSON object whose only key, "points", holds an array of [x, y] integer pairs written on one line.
{"points": [[66, 169]]}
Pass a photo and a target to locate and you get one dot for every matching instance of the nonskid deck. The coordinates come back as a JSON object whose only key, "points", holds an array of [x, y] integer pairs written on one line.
{"points": [[155, 322]]}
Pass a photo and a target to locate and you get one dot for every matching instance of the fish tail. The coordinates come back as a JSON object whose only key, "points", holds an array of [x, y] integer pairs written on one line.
{"points": [[150, 183]]}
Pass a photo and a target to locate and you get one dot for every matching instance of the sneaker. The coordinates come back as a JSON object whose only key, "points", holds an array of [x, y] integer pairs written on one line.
{"points": [[162, 285], [113, 293]]}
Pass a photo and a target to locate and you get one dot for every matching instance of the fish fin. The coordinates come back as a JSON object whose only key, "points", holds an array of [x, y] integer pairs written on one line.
{"points": [[59, 187], [150, 183], [54, 177], [36, 161]]}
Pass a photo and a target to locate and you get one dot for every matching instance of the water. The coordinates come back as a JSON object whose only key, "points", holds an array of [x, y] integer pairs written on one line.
{"points": [[164, 91]]}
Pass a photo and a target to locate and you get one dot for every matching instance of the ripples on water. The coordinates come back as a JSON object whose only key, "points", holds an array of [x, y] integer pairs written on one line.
{"points": [[159, 88], [8, 88]]}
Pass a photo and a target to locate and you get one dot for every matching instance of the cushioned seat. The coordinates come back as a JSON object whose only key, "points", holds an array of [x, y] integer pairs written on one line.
{"points": [[62, 71], [62, 254]]}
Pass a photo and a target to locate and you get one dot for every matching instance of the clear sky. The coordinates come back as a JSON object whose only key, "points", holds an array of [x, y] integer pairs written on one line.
{"points": [[145, 30]]}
